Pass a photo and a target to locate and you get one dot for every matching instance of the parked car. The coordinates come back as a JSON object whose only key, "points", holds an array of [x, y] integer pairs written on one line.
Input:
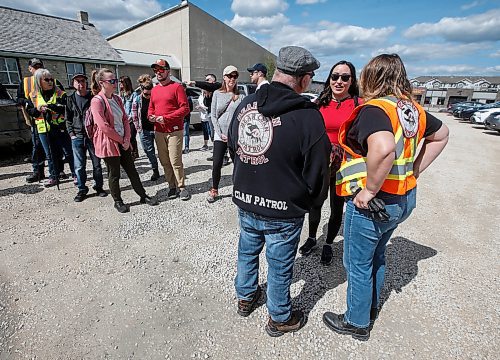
{"points": [[469, 106], [481, 114], [13, 129], [311, 96], [453, 107], [195, 114], [492, 122], [247, 89]]}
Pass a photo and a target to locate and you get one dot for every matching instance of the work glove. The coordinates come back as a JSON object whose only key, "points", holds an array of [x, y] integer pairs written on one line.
{"points": [[376, 207]]}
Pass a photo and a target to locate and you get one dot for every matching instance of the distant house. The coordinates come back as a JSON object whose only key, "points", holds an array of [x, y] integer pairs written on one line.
{"points": [[65, 46]]}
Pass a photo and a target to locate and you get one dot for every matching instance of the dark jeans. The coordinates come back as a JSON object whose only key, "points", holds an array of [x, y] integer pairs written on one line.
{"points": [[148, 144], [37, 152], [48, 140], [133, 140], [220, 148], [187, 121], [336, 211], [62, 147], [80, 148], [207, 133], [127, 163]]}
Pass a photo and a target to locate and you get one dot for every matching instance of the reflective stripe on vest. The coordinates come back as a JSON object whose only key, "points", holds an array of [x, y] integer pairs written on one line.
{"points": [[41, 124], [352, 173]]}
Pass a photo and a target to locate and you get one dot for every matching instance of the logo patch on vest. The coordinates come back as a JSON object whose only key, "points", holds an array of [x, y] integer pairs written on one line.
{"points": [[255, 135], [408, 117]]}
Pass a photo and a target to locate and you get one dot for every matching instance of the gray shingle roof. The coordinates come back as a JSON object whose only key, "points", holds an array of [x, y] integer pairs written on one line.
{"points": [[455, 79], [36, 34]]}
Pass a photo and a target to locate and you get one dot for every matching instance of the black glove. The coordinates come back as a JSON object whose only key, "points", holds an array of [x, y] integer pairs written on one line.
{"points": [[376, 207]]}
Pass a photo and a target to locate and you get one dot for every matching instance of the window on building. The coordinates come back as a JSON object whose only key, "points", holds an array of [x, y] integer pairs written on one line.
{"points": [[72, 69], [427, 100], [440, 101], [460, 85], [99, 66], [9, 72]]}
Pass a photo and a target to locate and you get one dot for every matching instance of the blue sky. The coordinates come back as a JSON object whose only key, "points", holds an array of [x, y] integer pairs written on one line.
{"points": [[439, 37]]}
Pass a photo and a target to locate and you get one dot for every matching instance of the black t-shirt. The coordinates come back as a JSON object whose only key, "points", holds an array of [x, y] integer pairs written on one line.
{"points": [[372, 119], [82, 101], [146, 124]]}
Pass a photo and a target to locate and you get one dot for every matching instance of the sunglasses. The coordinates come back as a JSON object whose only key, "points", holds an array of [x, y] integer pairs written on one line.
{"points": [[160, 70], [111, 81], [232, 76], [343, 77], [146, 93], [48, 80]]}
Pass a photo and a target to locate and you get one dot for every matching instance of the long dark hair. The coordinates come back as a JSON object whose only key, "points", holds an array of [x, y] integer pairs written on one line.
{"points": [[127, 85], [326, 95]]}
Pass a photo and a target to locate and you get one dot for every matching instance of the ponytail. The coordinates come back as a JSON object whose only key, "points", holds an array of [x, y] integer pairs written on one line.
{"points": [[95, 78]]}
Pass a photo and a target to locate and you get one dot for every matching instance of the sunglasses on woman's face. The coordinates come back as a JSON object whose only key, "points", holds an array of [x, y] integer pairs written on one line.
{"points": [[48, 80], [343, 77], [147, 94], [111, 81], [232, 76]]}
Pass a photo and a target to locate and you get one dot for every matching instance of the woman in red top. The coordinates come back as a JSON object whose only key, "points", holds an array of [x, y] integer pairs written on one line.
{"points": [[336, 102]]}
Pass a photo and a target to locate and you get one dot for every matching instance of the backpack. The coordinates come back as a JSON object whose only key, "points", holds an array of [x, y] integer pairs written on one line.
{"points": [[89, 120]]}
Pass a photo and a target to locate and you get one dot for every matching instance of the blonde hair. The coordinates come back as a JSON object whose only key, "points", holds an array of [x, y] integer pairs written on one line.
{"points": [[385, 75], [97, 75], [144, 78], [39, 75]]}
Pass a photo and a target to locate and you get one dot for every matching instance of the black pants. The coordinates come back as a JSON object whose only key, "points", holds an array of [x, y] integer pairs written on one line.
{"points": [[127, 163], [336, 212], [133, 141], [220, 148]]}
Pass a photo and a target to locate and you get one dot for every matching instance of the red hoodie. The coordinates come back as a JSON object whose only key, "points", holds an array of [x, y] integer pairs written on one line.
{"points": [[169, 101]]}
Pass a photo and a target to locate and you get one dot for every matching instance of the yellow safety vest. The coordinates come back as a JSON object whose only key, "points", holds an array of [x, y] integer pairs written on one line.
{"points": [[41, 124], [408, 122]]}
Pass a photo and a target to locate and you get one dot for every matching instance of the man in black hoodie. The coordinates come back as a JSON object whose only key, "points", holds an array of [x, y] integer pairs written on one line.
{"points": [[281, 154]]}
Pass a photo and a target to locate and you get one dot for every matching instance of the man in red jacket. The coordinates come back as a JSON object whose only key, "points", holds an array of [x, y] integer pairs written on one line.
{"points": [[167, 109]]}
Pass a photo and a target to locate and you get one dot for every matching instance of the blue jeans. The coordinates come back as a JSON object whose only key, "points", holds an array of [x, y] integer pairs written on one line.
{"points": [[48, 139], [365, 241], [80, 147], [37, 152], [281, 237], [207, 133], [187, 121], [148, 144], [62, 146]]}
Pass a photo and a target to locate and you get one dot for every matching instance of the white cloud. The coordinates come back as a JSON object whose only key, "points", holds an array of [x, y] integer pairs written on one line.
{"points": [[481, 27], [495, 54], [469, 5], [461, 69], [261, 24], [429, 51], [109, 16], [256, 8], [308, 2], [493, 68]]}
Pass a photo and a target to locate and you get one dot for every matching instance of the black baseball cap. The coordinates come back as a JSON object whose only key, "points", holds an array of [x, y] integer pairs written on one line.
{"points": [[258, 67]]}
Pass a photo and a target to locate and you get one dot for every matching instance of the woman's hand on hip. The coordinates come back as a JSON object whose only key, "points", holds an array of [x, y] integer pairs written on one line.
{"points": [[361, 200]]}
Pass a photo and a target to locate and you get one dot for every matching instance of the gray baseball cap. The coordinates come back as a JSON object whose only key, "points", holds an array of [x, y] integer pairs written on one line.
{"points": [[295, 60]]}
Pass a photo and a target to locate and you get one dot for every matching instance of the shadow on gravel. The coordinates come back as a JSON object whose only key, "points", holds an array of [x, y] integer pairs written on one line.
{"points": [[13, 175], [194, 169], [23, 189], [402, 257], [491, 132]]}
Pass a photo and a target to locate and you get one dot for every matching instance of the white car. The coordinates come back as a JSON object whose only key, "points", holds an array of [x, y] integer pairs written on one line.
{"points": [[479, 116]]}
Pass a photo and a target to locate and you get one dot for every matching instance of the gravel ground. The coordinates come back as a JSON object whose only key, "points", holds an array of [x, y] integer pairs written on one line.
{"points": [[80, 281]]}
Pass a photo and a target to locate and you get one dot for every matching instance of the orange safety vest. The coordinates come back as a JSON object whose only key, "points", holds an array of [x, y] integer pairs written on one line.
{"points": [[29, 86], [408, 122], [41, 124]]}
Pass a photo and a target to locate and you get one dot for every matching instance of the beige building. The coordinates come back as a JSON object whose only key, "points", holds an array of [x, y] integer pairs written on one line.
{"points": [[199, 42]]}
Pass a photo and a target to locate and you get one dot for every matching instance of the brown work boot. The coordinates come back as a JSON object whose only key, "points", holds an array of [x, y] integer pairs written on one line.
{"points": [[245, 307], [296, 322]]}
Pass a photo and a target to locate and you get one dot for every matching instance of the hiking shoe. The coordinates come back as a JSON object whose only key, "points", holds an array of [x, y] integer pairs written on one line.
{"points": [[213, 194], [204, 148], [296, 321], [336, 323], [156, 175], [172, 193], [185, 151], [100, 192], [210, 158], [80, 196], [50, 182], [246, 307], [121, 207], [151, 201], [326, 255], [35, 177], [308, 246], [185, 195]]}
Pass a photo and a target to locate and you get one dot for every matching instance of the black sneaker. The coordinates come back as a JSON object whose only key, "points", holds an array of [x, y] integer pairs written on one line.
{"points": [[82, 194], [172, 193], [246, 307], [185, 195], [151, 201], [35, 177], [121, 207], [308, 246], [296, 321], [210, 158], [63, 176], [156, 175], [326, 255], [336, 323], [100, 192]]}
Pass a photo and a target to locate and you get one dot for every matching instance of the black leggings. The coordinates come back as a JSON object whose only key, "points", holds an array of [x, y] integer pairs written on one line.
{"points": [[336, 212], [220, 148]]}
